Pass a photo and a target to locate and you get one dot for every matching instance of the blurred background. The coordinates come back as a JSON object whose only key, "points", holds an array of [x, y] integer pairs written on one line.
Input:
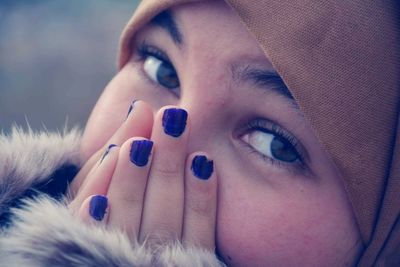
{"points": [[56, 56]]}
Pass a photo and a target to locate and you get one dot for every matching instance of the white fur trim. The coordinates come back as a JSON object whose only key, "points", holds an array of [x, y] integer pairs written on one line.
{"points": [[27, 157], [177, 255], [46, 234]]}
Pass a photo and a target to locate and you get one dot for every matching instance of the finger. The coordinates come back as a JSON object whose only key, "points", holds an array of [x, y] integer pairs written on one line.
{"points": [[94, 210], [200, 202], [139, 122], [163, 206], [98, 181], [128, 185]]}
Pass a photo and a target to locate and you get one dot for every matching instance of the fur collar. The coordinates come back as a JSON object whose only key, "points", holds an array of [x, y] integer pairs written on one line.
{"points": [[28, 158], [44, 233]]}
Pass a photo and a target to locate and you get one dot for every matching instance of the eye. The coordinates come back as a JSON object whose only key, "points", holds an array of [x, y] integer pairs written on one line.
{"points": [[157, 67], [273, 142], [272, 146], [161, 72]]}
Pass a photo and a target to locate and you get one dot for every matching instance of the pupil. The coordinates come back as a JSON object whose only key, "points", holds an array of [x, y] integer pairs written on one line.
{"points": [[166, 76], [283, 150]]}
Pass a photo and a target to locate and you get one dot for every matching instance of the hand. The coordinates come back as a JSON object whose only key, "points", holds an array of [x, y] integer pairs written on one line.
{"points": [[137, 123], [171, 197]]}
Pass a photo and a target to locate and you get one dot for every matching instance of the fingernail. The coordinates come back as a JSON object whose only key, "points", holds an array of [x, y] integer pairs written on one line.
{"points": [[107, 151], [140, 152], [202, 167], [174, 121], [130, 109], [97, 207]]}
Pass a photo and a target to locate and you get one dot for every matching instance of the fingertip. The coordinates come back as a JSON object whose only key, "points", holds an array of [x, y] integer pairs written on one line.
{"points": [[139, 113], [202, 166], [94, 209], [107, 151], [200, 201], [174, 121], [201, 180], [131, 107], [139, 150]]}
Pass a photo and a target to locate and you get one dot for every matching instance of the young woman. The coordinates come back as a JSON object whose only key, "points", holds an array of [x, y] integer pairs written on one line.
{"points": [[257, 132]]}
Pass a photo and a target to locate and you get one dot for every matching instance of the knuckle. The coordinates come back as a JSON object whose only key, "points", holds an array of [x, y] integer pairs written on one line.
{"points": [[201, 200], [168, 170], [201, 207], [129, 199]]}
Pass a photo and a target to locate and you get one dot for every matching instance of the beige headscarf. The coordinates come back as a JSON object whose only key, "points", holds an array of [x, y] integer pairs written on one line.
{"points": [[341, 61]]}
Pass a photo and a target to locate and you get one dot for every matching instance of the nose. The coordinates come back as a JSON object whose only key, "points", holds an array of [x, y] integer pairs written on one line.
{"points": [[207, 106]]}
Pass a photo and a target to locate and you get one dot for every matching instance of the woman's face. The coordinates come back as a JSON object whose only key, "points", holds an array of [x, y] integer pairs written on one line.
{"points": [[280, 200]]}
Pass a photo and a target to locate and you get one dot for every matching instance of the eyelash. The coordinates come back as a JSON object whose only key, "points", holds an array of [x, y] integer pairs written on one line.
{"points": [[144, 50], [271, 128]]}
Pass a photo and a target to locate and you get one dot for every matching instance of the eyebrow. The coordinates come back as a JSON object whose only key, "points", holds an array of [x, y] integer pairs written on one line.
{"points": [[264, 79], [166, 21], [267, 80]]}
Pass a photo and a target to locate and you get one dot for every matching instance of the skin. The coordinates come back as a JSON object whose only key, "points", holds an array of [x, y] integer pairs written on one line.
{"points": [[270, 213]]}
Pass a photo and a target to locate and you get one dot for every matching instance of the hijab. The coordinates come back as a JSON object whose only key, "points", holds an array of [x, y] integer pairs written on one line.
{"points": [[341, 62]]}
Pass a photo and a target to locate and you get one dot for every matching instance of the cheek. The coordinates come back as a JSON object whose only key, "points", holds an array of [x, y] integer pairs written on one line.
{"points": [[109, 112], [304, 227], [112, 107]]}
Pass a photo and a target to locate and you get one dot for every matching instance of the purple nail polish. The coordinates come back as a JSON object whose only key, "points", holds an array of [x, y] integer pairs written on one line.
{"points": [[130, 109], [107, 151], [140, 152], [97, 207], [174, 121], [202, 167]]}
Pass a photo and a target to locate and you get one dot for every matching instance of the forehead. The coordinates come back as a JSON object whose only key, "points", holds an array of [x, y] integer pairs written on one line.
{"points": [[214, 27]]}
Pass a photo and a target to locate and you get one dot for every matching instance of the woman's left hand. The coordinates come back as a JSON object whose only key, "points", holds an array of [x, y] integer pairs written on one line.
{"points": [[158, 197]]}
